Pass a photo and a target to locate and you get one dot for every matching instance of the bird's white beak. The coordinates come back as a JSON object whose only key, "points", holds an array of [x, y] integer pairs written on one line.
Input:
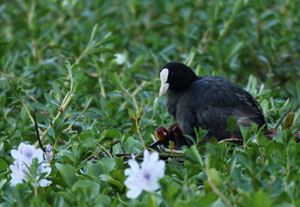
{"points": [[163, 79], [163, 89]]}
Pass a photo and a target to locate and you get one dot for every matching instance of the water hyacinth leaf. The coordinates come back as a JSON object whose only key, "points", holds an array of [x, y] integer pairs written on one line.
{"points": [[3, 165], [169, 189], [149, 200], [67, 172], [103, 199], [111, 133], [109, 179], [92, 187], [68, 198], [208, 199], [118, 175], [106, 164], [119, 163], [94, 169], [14, 195], [260, 199]]}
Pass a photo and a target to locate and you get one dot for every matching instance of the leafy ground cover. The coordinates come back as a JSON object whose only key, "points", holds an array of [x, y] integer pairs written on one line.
{"points": [[88, 70]]}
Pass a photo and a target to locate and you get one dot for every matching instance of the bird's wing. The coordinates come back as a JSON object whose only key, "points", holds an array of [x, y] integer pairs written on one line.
{"points": [[208, 104]]}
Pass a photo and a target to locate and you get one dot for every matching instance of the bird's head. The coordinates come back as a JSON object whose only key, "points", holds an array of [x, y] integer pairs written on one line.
{"points": [[175, 76], [176, 131], [161, 134]]}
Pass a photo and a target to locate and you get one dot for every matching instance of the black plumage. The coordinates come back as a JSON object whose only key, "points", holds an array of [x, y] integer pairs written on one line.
{"points": [[207, 102]]}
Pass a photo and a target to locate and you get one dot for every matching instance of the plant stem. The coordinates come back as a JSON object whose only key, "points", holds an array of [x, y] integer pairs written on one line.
{"points": [[212, 185]]}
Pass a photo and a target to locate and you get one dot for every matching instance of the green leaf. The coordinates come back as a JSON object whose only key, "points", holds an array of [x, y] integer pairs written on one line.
{"points": [[116, 81], [193, 153], [87, 184], [67, 172], [292, 153], [275, 152], [289, 120], [169, 189], [106, 164], [215, 176], [155, 106], [136, 64], [94, 169], [260, 199], [103, 199], [109, 179], [245, 161], [111, 133], [3, 165], [216, 179]]}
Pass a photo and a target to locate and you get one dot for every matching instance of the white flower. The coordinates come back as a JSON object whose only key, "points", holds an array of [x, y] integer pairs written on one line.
{"points": [[120, 58], [17, 175], [145, 177], [23, 161]]}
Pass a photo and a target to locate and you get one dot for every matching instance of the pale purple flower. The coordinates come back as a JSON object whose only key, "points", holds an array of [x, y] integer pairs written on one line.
{"points": [[49, 153], [23, 160], [145, 177]]}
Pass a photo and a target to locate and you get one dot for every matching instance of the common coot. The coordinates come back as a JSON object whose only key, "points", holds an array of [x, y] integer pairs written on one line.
{"points": [[207, 102]]}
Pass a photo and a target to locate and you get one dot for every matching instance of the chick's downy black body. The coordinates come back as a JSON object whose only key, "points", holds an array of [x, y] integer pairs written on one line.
{"points": [[207, 102]]}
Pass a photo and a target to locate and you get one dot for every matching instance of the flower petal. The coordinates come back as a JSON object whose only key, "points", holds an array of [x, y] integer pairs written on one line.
{"points": [[21, 147], [154, 157], [44, 182], [134, 193], [134, 166], [15, 154]]}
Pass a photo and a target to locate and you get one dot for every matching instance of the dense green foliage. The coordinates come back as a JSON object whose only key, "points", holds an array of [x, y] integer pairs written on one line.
{"points": [[51, 49]]}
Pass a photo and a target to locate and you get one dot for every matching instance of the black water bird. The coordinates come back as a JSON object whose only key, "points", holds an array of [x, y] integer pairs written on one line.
{"points": [[207, 102]]}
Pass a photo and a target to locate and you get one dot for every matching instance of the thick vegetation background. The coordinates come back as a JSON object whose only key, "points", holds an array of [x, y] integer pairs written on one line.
{"points": [[51, 50]]}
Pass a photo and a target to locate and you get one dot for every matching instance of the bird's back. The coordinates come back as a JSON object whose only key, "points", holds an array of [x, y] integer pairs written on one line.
{"points": [[208, 102]]}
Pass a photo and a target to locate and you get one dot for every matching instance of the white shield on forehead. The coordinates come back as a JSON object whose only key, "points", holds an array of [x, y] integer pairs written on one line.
{"points": [[163, 80]]}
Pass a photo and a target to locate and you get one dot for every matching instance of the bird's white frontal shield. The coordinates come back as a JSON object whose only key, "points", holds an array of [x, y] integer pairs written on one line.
{"points": [[163, 79]]}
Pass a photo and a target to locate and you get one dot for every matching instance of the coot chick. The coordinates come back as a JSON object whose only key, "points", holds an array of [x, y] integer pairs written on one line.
{"points": [[207, 102], [173, 133]]}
